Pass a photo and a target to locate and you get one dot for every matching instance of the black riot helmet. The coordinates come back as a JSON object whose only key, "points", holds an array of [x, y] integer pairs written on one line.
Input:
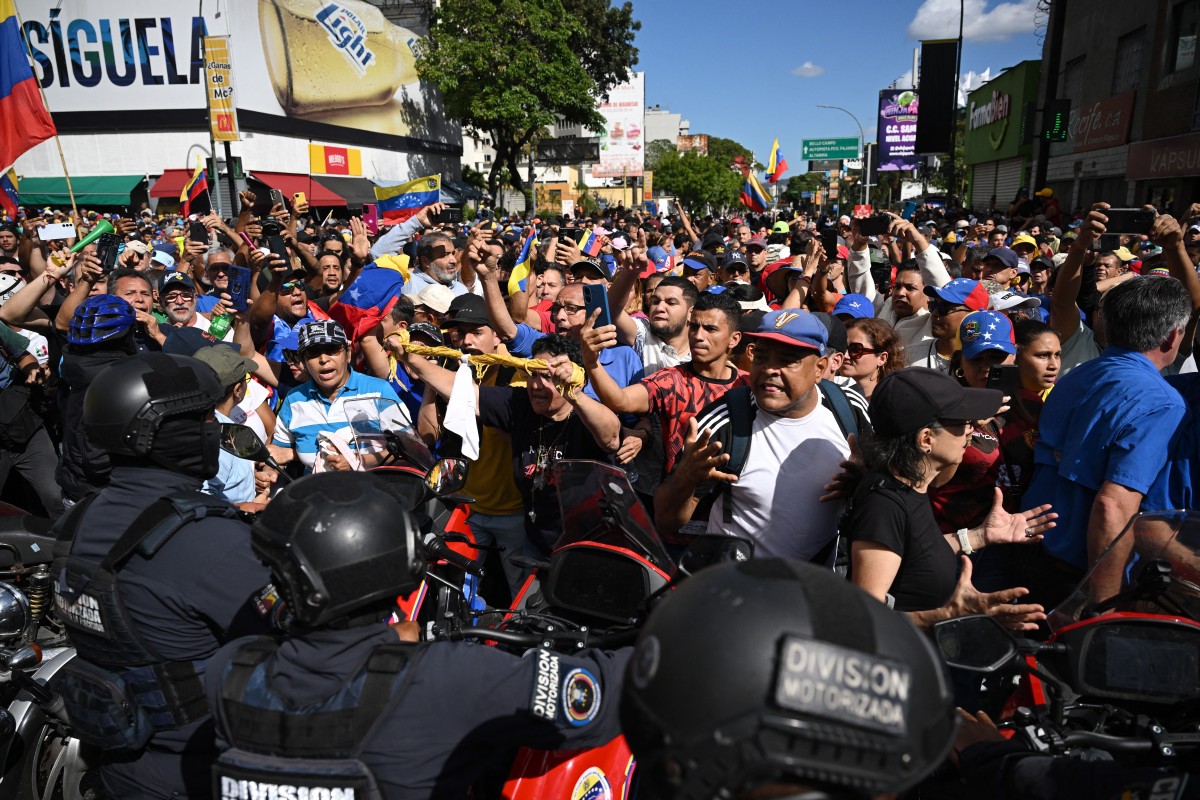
{"points": [[155, 407], [338, 543], [775, 671]]}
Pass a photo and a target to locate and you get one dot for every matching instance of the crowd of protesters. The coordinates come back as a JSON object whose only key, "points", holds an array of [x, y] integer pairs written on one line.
{"points": [[802, 325]]}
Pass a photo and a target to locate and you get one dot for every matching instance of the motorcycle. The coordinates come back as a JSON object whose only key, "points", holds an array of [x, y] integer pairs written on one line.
{"points": [[1120, 673], [604, 573], [41, 759]]}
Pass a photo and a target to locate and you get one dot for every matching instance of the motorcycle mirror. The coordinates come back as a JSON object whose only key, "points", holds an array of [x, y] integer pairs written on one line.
{"points": [[976, 643], [709, 549], [447, 476], [14, 611], [243, 442]]}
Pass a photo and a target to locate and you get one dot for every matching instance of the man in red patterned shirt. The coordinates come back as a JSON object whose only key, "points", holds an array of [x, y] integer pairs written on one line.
{"points": [[674, 394]]}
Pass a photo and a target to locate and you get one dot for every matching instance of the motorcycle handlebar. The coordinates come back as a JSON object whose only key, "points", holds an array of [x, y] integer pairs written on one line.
{"points": [[436, 548], [1112, 744]]}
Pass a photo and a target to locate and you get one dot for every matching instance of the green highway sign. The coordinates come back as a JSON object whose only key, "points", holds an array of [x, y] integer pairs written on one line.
{"points": [[830, 148]]}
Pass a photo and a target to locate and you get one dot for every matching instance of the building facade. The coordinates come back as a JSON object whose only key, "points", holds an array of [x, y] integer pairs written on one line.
{"points": [[998, 162]]}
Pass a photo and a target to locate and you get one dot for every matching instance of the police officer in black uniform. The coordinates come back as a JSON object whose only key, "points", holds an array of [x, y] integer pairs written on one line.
{"points": [[775, 678], [153, 577], [343, 703]]}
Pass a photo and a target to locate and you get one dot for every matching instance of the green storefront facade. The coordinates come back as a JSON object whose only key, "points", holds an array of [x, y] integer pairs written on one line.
{"points": [[997, 162]]}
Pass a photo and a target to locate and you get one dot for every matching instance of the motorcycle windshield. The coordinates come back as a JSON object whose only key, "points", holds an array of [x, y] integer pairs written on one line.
{"points": [[369, 417], [599, 505], [1151, 540]]}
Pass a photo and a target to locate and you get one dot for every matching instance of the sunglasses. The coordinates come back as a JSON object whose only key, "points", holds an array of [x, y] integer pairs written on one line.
{"points": [[570, 308], [947, 424], [856, 350], [171, 297], [292, 286], [944, 309]]}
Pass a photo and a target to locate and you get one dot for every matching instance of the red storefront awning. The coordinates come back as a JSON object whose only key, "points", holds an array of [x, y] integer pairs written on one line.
{"points": [[171, 183], [289, 184]]}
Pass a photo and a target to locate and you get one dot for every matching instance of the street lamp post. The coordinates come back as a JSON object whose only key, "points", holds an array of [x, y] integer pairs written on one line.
{"points": [[862, 152]]}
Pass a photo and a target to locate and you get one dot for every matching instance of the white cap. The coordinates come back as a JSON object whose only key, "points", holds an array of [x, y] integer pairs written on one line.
{"points": [[1008, 300]]}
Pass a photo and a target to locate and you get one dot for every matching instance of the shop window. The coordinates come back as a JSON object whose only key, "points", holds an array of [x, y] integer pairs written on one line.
{"points": [[1127, 65], [1181, 45]]}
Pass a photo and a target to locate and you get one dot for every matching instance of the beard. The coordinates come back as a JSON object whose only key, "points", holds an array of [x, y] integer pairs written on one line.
{"points": [[666, 330]]}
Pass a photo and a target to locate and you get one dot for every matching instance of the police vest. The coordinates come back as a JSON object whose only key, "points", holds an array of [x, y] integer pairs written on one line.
{"points": [[309, 753], [118, 692]]}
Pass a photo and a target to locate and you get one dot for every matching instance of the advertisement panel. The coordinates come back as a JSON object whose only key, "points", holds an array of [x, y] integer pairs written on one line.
{"points": [[326, 159], [898, 130], [622, 142], [222, 104], [325, 69]]}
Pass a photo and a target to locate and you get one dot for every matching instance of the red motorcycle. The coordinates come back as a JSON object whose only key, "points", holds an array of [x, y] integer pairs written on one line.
{"points": [[1119, 673]]}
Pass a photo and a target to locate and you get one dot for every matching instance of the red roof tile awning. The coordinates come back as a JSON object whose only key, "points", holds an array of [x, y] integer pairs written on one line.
{"points": [[290, 183]]}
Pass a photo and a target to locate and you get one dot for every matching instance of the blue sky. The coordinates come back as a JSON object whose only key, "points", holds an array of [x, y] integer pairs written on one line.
{"points": [[752, 70]]}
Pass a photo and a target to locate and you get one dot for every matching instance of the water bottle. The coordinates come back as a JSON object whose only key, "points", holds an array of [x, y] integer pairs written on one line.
{"points": [[220, 326]]}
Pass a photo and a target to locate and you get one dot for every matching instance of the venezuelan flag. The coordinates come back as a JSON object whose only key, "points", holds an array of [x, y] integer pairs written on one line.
{"points": [[754, 196], [398, 203], [194, 187], [10, 197], [777, 164], [590, 245], [367, 300], [518, 278], [24, 120]]}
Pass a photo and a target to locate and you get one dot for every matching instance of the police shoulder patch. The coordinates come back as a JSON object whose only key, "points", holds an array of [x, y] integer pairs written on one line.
{"points": [[580, 697], [544, 700]]}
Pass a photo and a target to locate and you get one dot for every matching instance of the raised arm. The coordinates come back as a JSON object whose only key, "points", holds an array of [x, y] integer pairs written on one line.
{"points": [[630, 264], [1064, 315], [623, 400]]}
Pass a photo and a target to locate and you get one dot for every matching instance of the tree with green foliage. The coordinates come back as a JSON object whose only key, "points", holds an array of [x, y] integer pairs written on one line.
{"points": [[727, 151], [808, 182], [698, 181], [511, 68], [657, 150]]}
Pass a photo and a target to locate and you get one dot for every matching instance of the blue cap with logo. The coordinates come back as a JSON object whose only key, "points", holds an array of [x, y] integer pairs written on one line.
{"points": [[986, 330], [793, 326], [856, 306]]}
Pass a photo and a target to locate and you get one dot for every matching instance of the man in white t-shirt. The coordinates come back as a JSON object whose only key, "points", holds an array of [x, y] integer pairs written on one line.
{"points": [[795, 448], [177, 294]]}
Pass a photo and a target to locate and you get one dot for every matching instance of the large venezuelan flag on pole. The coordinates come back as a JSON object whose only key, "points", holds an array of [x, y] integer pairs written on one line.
{"points": [[24, 120], [754, 196], [398, 203], [777, 165]]}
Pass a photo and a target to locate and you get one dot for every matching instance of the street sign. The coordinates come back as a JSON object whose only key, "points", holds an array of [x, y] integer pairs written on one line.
{"points": [[854, 163], [829, 148], [828, 165]]}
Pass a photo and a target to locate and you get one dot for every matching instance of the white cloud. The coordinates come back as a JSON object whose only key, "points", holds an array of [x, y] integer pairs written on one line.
{"points": [[970, 82], [938, 19], [808, 70]]}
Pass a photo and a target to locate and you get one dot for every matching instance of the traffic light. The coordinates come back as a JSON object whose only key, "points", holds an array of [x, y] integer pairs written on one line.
{"points": [[1055, 120]]}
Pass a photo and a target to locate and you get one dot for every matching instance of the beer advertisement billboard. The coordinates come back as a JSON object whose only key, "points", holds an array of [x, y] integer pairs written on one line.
{"points": [[324, 69]]}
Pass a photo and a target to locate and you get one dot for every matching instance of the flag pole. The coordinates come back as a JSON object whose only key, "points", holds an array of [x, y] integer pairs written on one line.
{"points": [[58, 142]]}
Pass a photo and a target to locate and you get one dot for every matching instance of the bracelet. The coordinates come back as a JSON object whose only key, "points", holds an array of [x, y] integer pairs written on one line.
{"points": [[964, 541]]}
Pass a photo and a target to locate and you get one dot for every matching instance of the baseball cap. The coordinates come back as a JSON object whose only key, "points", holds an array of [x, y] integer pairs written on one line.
{"points": [[961, 292], [986, 330], [1041, 262], [962, 223], [467, 309], [1002, 228], [1123, 253], [138, 247], [1025, 239], [166, 259], [230, 365], [1045, 191], [175, 280], [735, 257], [659, 258], [1059, 259], [793, 326], [187, 341], [320, 332], [590, 263], [757, 240], [1005, 255], [750, 298], [915, 398], [780, 227], [1007, 300], [427, 329], [855, 305], [698, 261], [435, 296], [836, 329]]}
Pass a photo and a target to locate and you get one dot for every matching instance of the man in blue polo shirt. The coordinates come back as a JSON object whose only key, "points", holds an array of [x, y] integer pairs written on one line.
{"points": [[1105, 432], [318, 406]]}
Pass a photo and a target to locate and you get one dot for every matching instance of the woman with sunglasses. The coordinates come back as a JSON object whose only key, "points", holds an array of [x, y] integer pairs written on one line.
{"points": [[873, 351], [898, 554]]}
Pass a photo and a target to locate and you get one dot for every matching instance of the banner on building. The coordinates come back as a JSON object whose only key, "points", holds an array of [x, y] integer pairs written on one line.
{"points": [[326, 159], [337, 70], [623, 140], [218, 77], [898, 130]]}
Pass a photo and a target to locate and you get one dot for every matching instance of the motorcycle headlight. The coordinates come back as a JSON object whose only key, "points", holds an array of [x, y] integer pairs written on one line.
{"points": [[14, 611]]}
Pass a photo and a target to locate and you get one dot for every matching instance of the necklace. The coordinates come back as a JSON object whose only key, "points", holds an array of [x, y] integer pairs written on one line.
{"points": [[542, 464]]}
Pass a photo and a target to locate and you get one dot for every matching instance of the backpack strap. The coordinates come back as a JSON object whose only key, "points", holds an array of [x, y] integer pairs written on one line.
{"points": [[158, 523], [840, 407], [68, 526]]}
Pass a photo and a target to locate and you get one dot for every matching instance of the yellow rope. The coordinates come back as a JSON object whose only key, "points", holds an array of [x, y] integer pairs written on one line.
{"points": [[485, 360]]}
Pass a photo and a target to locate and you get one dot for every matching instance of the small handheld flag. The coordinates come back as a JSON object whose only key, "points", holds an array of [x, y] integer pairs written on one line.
{"points": [[518, 279], [754, 196], [197, 185], [10, 197]]}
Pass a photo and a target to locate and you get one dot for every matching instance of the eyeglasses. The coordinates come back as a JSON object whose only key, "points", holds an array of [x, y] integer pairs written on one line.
{"points": [[570, 308], [944, 309], [856, 350], [173, 297]]}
